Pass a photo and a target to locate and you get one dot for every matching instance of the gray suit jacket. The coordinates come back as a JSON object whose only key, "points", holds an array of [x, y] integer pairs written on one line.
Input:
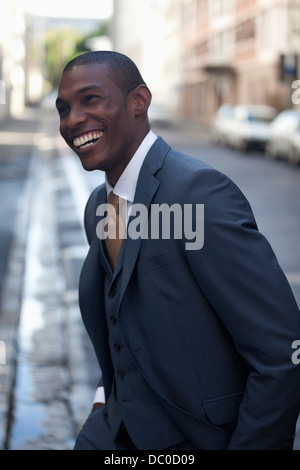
{"points": [[210, 329]]}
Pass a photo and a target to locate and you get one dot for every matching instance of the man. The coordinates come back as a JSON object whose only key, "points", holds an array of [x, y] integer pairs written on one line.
{"points": [[194, 342]]}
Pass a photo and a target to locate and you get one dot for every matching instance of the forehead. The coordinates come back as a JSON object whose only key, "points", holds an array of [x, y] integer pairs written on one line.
{"points": [[80, 77]]}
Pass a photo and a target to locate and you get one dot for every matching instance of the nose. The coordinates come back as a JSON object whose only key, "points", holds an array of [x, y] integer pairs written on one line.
{"points": [[76, 117]]}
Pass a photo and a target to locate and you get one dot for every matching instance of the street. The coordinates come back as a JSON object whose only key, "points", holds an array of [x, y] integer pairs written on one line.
{"points": [[50, 373]]}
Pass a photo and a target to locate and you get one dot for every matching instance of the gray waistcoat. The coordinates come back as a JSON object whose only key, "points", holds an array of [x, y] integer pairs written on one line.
{"points": [[132, 400]]}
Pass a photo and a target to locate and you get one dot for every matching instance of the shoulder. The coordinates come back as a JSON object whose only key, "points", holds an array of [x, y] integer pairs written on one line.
{"points": [[190, 178]]}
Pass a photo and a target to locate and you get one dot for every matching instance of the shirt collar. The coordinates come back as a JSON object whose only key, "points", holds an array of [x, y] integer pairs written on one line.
{"points": [[126, 184]]}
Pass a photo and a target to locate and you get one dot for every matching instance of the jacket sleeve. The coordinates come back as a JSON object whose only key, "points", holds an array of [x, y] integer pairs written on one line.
{"points": [[238, 272]]}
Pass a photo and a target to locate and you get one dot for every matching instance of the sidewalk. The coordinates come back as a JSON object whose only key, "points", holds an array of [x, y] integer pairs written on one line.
{"points": [[47, 382]]}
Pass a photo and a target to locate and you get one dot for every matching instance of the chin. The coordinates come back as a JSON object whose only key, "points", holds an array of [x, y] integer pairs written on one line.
{"points": [[89, 164]]}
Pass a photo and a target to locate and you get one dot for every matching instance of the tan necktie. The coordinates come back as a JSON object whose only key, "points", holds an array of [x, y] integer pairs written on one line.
{"points": [[115, 227]]}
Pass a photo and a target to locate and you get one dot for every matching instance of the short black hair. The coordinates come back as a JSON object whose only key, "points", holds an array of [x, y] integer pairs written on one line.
{"points": [[122, 69]]}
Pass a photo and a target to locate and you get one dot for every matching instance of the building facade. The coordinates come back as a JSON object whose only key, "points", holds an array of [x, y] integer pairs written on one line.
{"points": [[239, 51], [199, 54], [12, 59]]}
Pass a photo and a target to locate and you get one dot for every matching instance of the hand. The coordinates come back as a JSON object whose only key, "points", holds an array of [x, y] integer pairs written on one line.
{"points": [[97, 405]]}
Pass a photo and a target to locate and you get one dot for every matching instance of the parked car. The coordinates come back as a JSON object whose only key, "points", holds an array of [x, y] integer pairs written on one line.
{"points": [[221, 124], [250, 126], [158, 116], [284, 139]]}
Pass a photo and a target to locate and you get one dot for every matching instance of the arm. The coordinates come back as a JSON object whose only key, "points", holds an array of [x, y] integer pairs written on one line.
{"points": [[99, 398], [240, 276], [90, 230]]}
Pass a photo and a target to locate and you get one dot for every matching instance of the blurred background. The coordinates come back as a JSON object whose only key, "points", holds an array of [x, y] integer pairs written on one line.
{"points": [[194, 54], [224, 76]]}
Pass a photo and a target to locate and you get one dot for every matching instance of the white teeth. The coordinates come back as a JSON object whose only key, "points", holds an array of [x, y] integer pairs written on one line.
{"points": [[87, 145], [85, 140]]}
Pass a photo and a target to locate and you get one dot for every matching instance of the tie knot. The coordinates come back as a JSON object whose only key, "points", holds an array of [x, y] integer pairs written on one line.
{"points": [[113, 199], [119, 204]]}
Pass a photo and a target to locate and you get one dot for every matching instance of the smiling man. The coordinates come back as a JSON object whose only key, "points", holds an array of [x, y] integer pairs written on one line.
{"points": [[99, 118], [194, 346]]}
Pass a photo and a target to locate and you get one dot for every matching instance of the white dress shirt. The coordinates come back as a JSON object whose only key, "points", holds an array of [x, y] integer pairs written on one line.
{"points": [[125, 188], [126, 184]]}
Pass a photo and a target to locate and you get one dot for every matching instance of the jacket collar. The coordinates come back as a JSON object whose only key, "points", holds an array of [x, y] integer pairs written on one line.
{"points": [[147, 186]]}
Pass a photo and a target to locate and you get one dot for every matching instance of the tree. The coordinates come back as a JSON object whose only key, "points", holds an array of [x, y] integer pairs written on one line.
{"points": [[59, 48]]}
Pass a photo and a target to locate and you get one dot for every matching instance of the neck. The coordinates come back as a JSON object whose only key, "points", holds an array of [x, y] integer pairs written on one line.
{"points": [[113, 174]]}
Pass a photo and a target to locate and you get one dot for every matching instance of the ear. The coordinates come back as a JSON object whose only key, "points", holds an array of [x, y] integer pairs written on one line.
{"points": [[141, 97]]}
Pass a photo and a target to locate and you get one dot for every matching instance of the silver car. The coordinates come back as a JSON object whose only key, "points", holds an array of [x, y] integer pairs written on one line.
{"points": [[222, 124], [284, 139], [250, 126]]}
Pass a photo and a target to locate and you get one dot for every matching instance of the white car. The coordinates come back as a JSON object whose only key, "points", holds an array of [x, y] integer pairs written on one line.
{"points": [[250, 126], [284, 140], [221, 124], [158, 116]]}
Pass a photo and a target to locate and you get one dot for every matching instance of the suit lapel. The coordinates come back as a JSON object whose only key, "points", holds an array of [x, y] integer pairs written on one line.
{"points": [[147, 186]]}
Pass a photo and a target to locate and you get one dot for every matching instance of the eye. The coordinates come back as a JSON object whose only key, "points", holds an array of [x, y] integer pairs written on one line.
{"points": [[90, 98], [63, 109]]}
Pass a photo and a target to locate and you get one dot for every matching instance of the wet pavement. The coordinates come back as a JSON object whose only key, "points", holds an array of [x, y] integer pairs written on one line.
{"points": [[48, 371]]}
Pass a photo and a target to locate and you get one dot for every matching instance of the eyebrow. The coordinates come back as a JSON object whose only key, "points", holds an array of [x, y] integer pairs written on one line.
{"points": [[87, 88], [80, 91]]}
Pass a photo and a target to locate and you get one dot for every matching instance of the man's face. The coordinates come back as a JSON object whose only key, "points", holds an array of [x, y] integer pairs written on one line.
{"points": [[96, 120]]}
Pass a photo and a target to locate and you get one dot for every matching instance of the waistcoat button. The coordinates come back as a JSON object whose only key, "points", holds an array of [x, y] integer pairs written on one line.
{"points": [[121, 374], [117, 347], [113, 320], [112, 292]]}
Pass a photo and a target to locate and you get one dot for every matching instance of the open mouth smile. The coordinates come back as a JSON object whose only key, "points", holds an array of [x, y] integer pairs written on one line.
{"points": [[87, 140]]}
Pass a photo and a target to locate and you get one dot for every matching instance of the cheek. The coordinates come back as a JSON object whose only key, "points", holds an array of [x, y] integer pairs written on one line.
{"points": [[119, 131], [62, 129]]}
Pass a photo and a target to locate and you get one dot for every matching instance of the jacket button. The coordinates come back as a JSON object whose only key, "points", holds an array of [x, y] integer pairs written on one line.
{"points": [[113, 320], [112, 292], [117, 347], [121, 374]]}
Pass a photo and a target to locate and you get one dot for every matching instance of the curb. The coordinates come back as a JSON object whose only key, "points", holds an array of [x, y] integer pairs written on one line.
{"points": [[10, 309]]}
